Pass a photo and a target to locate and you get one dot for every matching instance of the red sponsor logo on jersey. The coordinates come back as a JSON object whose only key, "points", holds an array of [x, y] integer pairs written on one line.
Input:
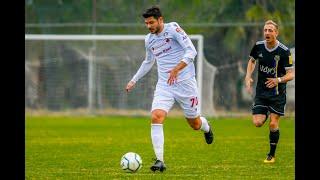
{"points": [[179, 30]]}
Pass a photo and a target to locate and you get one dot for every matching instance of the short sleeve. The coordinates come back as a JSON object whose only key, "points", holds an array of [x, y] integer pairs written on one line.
{"points": [[287, 59], [254, 52]]}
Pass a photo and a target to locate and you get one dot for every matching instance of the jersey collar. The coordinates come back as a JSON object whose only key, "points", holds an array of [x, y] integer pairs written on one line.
{"points": [[270, 50]]}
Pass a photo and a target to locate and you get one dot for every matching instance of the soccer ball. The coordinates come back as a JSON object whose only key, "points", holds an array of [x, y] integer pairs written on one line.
{"points": [[131, 162]]}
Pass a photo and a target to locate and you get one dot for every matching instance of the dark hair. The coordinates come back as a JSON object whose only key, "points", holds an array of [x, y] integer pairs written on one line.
{"points": [[153, 11]]}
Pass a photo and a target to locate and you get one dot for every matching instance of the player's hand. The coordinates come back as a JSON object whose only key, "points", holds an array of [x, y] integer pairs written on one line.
{"points": [[248, 81], [271, 82], [172, 77], [130, 86]]}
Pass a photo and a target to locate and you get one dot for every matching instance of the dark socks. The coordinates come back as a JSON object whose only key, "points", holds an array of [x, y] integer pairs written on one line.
{"points": [[274, 138]]}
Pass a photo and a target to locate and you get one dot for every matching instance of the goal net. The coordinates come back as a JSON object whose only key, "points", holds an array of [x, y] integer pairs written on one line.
{"points": [[90, 72]]}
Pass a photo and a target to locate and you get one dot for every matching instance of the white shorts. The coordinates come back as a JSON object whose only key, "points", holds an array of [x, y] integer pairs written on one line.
{"points": [[184, 92]]}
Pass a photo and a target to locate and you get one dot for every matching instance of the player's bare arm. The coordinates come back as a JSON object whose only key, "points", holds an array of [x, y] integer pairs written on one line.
{"points": [[174, 72], [272, 82], [248, 78]]}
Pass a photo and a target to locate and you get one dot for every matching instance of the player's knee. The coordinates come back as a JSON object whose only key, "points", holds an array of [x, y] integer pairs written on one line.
{"points": [[195, 123], [257, 122], [273, 125], [157, 117], [196, 126]]}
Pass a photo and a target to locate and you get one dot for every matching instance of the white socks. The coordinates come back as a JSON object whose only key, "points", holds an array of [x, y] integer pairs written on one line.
{"points": [[157, 140], [204, 124], [157, 137]]}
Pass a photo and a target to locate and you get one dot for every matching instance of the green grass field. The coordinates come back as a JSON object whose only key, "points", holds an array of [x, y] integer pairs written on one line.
{"points": [[91, 148]]}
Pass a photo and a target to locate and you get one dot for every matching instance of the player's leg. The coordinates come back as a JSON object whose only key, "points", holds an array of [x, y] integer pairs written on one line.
{"points": [[201, 123], [162, 103], [277, 110], [186, 94], [260, 111], [274, 135], [157, 137], [259, 119]]}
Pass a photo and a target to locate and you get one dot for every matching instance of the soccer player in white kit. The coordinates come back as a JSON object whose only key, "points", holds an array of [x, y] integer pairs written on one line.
{"points": [[172, 49]]}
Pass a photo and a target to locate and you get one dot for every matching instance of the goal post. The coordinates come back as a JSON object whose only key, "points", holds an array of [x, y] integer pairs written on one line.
{"points": [[92, 67]]}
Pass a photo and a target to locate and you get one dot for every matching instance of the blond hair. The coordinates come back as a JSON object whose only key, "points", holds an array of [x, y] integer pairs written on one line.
{"points": [[273, 23]]}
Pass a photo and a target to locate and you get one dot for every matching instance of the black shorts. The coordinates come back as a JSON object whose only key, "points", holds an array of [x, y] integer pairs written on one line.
{"points": [[275, 104]]}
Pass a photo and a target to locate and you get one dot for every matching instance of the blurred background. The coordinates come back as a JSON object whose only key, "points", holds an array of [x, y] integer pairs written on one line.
{"points": [[89, 76]]}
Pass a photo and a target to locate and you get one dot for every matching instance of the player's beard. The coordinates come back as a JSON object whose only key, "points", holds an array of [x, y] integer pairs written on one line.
{"points": [[156, 30]]}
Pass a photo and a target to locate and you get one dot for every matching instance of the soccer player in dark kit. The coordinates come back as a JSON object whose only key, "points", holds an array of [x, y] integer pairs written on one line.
{"points": [[275, 69]]}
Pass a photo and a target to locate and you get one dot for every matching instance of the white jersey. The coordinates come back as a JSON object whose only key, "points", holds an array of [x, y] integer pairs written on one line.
{"points": [[168, 48]]}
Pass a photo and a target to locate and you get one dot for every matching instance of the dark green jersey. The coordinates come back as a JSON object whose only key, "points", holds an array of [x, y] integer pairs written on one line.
{"points": [[272, 63]]}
